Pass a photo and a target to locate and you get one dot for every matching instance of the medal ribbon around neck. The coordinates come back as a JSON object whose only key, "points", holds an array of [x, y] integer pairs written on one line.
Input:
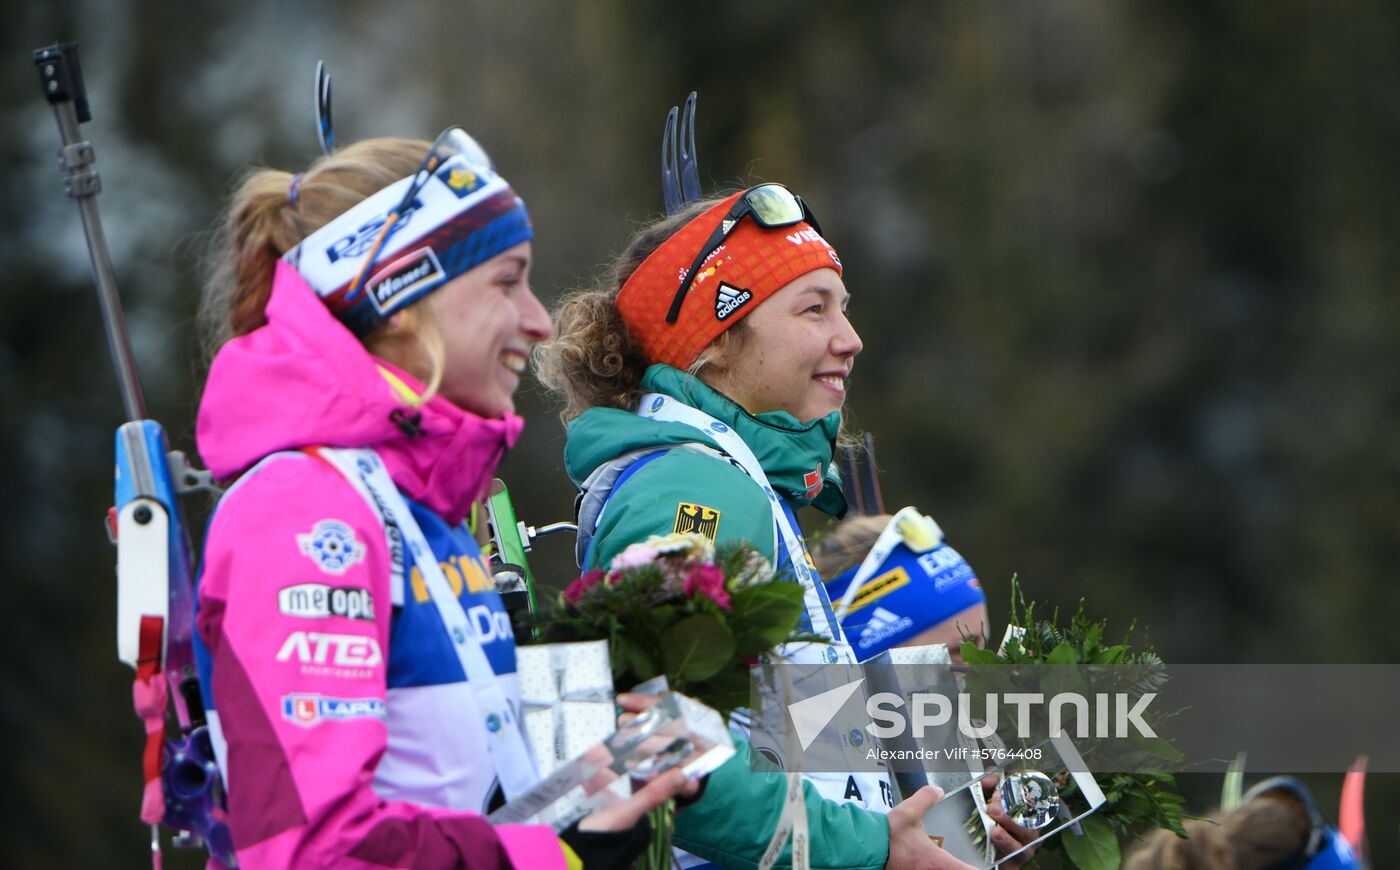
{"points": [[505, 738], [659, 407]]}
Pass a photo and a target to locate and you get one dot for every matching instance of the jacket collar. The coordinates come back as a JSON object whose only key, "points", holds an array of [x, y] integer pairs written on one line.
{"points": [[302, 379], [796, 456]]}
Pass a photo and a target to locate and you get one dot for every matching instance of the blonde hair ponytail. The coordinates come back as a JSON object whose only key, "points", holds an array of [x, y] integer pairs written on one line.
{"points": [[263, 223]]}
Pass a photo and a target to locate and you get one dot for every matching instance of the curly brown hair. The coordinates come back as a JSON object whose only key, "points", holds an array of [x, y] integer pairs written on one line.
{"points": [[592, 361]]}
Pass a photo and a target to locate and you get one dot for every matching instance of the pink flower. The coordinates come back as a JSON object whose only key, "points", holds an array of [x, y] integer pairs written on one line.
{"points": [[577, 589], [635, 556], [707, 580]]}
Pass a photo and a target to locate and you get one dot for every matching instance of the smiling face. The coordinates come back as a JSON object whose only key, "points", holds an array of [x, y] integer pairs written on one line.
{"points": [[489, 319], [796, 353]]}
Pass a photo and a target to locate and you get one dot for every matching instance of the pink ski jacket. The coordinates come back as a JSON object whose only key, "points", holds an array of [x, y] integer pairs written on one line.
{"points": [[343, 722]]}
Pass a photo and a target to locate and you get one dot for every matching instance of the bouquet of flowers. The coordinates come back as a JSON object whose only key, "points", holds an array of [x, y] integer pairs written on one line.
{"points": [[676, 606]]}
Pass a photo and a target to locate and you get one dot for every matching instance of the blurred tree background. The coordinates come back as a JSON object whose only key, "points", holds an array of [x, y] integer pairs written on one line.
{"points": [[1130, 316]]}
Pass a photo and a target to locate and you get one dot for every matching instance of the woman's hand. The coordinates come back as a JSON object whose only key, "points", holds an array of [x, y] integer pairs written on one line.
{"points": [[910, 846], [1008, 836], [672, 783], [633, 704], [625, 814]]}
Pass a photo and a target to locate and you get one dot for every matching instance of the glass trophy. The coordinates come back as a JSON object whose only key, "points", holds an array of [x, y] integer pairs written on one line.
{"points": [[585, 761], [1046, 790]]}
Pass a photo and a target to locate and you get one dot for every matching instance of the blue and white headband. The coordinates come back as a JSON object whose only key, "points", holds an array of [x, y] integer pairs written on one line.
{"points": [[461, 217]]}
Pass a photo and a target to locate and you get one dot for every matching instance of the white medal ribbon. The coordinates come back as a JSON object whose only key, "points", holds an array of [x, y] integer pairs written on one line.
{"points": [[506, 741], [794, 815], [659, 407]]}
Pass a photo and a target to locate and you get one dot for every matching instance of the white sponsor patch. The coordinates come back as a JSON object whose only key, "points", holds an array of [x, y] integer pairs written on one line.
{"points": [[332, 655], [308, 710], [332, 545], [802, 237], [403, 277], [489, 625], [729, 299], [883, 624], [319, 601]]}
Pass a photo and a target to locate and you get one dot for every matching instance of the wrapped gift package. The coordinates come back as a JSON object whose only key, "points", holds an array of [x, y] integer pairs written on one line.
{"points": [[567, 693]]}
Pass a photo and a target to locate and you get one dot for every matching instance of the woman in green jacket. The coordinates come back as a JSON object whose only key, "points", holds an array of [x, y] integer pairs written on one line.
{"points": [[703, 393]]}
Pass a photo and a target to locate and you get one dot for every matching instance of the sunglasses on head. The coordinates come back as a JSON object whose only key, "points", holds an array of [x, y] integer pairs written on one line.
{"points": [[454, 142], [771, 206]]}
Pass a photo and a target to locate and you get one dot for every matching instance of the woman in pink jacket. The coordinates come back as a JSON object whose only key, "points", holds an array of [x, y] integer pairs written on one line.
{"points": [[373, 314]]}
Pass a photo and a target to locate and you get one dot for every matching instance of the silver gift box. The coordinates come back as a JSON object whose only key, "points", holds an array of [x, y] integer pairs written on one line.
{"points": [[567, 692]]}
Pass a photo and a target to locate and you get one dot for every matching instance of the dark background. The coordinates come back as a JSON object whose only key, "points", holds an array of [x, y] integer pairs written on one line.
{"points": [[1122, 273]]}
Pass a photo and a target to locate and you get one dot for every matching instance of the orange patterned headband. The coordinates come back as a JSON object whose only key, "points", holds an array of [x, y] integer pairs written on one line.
{"points": [[752, 264]]}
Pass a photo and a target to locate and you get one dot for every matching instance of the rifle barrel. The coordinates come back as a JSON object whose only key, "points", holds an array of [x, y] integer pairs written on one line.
{"points": [[63, 87]]}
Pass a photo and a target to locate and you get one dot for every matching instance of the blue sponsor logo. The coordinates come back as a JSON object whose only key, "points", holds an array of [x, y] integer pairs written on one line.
{"points": [[857, 738], [657, 403], [360, 242], [719, 427], [308, 710], [493, 723], [332, 545]]}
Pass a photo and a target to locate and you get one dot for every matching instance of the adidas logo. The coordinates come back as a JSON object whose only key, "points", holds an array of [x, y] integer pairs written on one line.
{"points": [[729, 299], [883, 624]]}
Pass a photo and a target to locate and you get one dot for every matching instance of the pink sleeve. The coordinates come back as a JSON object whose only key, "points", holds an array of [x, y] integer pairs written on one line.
{"points": [[295, 610]]}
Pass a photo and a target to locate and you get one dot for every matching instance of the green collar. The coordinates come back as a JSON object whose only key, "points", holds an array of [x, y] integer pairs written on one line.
{"points": [[788, 450]]}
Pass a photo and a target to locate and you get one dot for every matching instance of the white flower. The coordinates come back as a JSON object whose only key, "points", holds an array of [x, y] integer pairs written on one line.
{"points": [[694, 547], [755, 569]]}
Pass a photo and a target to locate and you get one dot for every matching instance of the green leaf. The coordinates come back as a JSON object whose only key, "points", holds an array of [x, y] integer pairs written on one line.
{"points": [[1134, 805], [1063, 654], [1160, 748], [999, 681], [764, 616], [639, 659], [696, 648], [1063, 680], [725, 691], [973, 654], [1097, 849], [1111, 656]]}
